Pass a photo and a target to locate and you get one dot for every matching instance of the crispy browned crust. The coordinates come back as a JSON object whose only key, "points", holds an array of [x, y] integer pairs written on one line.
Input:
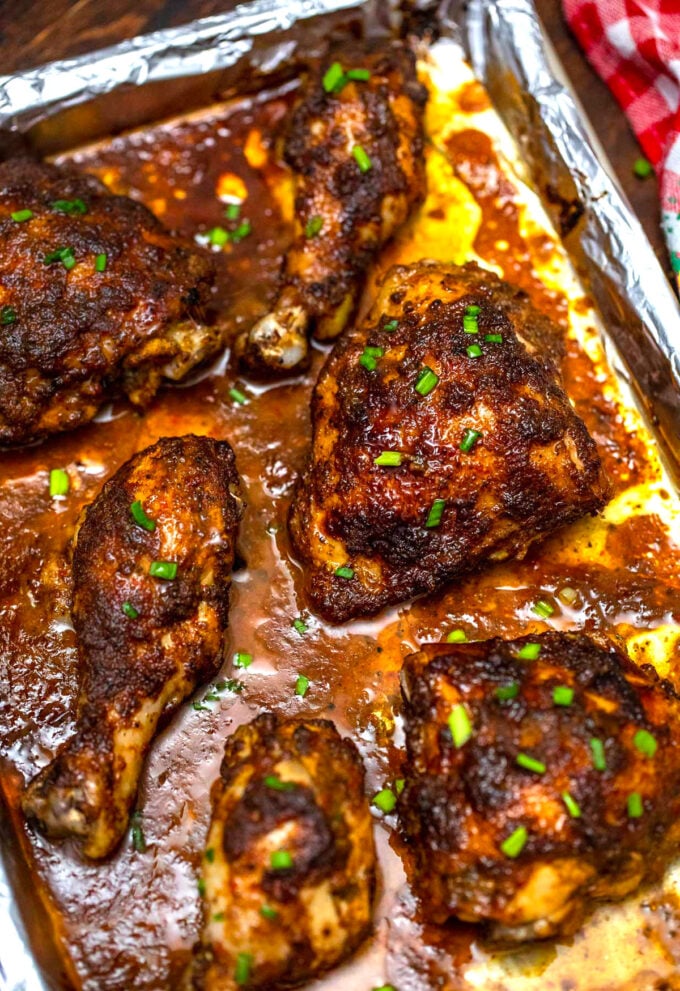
{"points": [[82, 335], [137, 671], [534, 469], [459, 805], [320, 815]]}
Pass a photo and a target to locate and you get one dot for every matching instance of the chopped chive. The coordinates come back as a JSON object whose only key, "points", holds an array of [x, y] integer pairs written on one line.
{"points": [[530, 763], [634, 804], [529, 652], [129, 610], [243, 230], [543, 609], [232, 211], [238, 396], [563, 695], [244, 963], [70, 206], [362, 159], [59, 482], [300, 626], [459, 725], [506, 692], [434, 517], [474, 351], [344, 572], [388, 459], [645, 742], [281, 860], [385, 800], [368, 362], [494, 338], [515, 843], [201, 886], [301, 685], [391, 325], [218, 236], [313, 226], [359, 75], [63, 255], [163, 569], [573, 808], [276, 784], [375, 352], [242, 660], [426, 381], [399, 785], [597, 750], [19, 216], [137, 833], [470, 438], [140, 517], [470, 325], [642, 169], [210, 855], [456, 636], [7, 315], [267, 912], [472, 310], [333, 78], [100, 262]]}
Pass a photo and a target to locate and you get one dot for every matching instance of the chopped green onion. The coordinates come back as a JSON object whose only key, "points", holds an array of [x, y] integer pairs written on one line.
{"points": [[344, 572], [515, 843], [645, 742], [470, 438], [163, 569], [242, 660], [391, 325], [459, 725], [199, 707], [100, 262], [362, 159], [7, 315], [573, 808], [244, 963], [426, 381], [529, 652], [129, 610], [375, 352], [238, 396], [399, 785], [137, 833], [543, 609], [597, 750], [218, 917], [434, 517], [494, 338], [385, 800], [456, 636], [506, 692], [218, 236], [19, 216], [210, 855], [642, 169], [201, 886], [474, 351], [281, 860], [385, 987], [59, 482], [470, 325], [276, 784], [70, 206], [333, 78], [300, 626], [243, 230], [563, 695], [140, 517], [359, 75], [63, 255], [388, 459], [301, 685], [369, 356], [634, 803], [232, 211], [267, 912], [530, 764], [472, 310], [313, 226]]}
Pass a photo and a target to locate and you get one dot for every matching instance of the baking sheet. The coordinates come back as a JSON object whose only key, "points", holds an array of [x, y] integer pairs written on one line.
{"points": [[53, 106]]}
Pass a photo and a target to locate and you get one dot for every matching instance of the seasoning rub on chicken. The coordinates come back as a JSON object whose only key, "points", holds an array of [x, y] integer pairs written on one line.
{"points": [[289, 866], [97, 298], [543, 775], [442, 440], [355, 145], [151, 576]]}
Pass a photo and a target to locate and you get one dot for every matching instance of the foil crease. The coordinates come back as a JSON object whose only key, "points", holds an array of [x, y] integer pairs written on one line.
{"points": [[509, 55]]}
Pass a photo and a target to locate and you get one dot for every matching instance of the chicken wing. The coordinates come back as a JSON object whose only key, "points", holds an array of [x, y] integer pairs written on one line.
{"points": [[442, 440], [543, 774], [355, 146], [289, 869], [151, 575], [96, 298]]}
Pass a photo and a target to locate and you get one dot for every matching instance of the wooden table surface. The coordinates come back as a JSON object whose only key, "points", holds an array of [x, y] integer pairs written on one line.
{"points": [[33, 31]]}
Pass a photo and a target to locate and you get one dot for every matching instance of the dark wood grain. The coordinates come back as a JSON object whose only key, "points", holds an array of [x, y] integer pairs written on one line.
{"points": [[32, 32]]}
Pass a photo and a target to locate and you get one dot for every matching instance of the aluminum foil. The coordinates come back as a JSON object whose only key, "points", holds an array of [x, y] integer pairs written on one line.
{"points": [[503, 40]]}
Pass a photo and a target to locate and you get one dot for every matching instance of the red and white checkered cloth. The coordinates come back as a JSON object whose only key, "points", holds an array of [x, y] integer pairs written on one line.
{"points": [[635, 47]]}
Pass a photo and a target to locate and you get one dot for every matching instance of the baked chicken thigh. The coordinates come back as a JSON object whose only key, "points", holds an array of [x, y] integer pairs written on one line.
{"points": [[289, 868], [355, 145], [96, 298], [151, 576], [442, 440], [543, 774]]}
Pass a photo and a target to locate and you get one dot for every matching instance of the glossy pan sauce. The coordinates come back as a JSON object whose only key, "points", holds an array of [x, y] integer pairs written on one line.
{"points": [[130, 922]]}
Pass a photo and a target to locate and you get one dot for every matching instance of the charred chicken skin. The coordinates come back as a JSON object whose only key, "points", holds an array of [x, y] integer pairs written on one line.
{"points": [[289, 869], [543, 774], [442, 440], [355, 145], [96, 298], [151, 576]]}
